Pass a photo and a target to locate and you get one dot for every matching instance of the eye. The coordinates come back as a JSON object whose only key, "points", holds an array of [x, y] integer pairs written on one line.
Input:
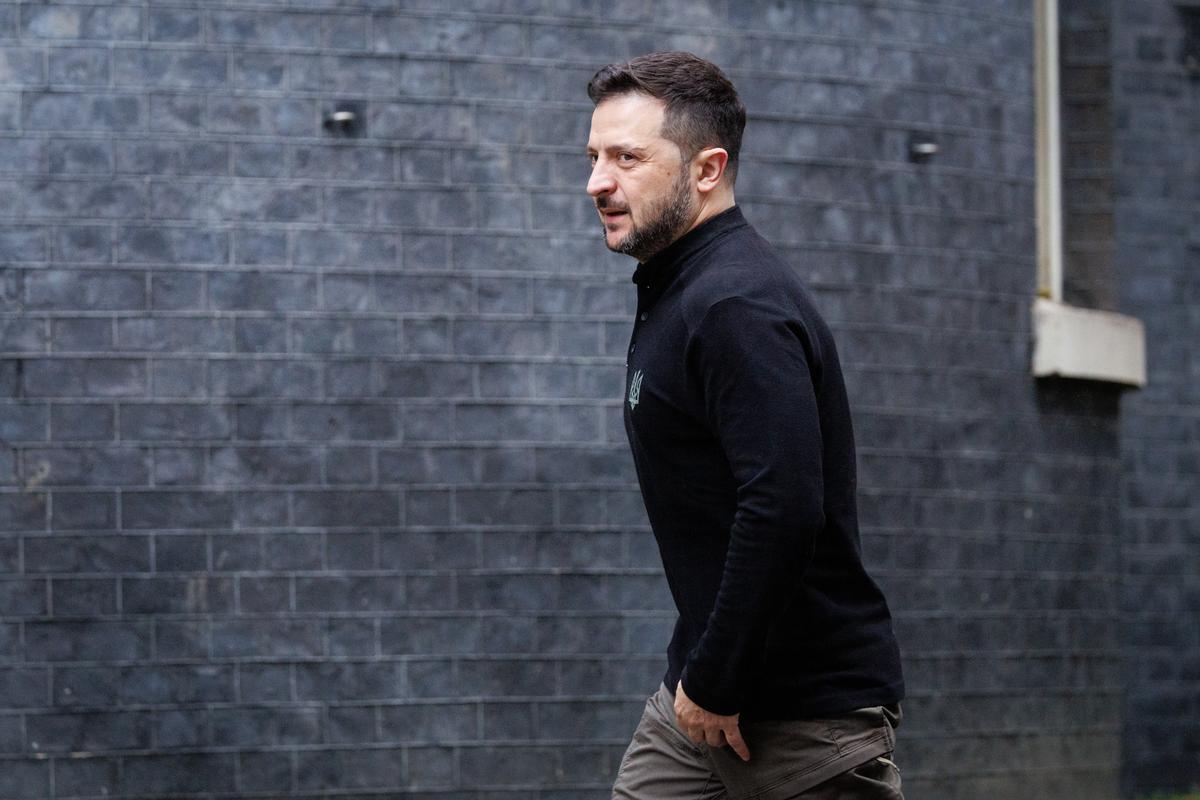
{"points": [[592, 159], [626, 158]]}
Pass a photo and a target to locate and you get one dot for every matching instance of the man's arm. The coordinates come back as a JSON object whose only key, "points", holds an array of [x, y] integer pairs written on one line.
{"points": [[760, 402]]}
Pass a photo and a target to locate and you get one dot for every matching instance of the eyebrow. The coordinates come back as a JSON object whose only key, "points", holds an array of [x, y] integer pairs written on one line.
{"points": [[632, 148]]}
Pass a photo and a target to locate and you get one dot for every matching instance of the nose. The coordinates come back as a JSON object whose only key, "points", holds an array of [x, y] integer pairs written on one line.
{"points": [[601, 181]]}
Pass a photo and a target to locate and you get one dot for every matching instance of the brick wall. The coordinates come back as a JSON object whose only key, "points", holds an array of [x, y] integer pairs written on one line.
{"points": [[313, 482], [1157, 167], [1085, 73]]}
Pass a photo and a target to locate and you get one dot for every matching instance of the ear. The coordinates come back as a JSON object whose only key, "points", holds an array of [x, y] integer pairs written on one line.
{"points": [[710, 165]]}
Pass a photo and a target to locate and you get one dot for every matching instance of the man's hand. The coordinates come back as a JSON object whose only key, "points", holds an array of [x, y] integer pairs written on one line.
{"points": [[704, 726]]}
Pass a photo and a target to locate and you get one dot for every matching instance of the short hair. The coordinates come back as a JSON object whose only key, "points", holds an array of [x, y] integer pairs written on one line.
{"points": [[702, 107]]}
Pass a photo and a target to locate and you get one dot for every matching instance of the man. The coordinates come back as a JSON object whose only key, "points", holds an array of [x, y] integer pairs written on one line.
{"points": [[783, 676]]}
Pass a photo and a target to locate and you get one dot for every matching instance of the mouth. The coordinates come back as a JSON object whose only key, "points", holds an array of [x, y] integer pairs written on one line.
{"points": [[612, 215]]}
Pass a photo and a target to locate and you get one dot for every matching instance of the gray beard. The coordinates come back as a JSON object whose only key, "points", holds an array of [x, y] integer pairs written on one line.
{"points": [[663, 226]]}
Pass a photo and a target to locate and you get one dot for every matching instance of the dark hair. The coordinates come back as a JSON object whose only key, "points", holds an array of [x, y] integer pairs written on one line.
{"points": [[702, 107]]}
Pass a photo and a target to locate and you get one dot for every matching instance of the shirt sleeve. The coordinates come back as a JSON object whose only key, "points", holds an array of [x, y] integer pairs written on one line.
{"points": [[755, 369]]}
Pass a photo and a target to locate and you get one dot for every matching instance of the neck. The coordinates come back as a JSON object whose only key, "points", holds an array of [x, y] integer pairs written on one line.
{"points": [[710, 205]]}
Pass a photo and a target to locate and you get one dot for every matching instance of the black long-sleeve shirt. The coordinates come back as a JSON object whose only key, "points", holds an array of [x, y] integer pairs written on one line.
{"points": [[737, 416]]}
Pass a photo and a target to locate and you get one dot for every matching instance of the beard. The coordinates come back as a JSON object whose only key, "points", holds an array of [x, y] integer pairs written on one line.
{"points": [[665, 220]]}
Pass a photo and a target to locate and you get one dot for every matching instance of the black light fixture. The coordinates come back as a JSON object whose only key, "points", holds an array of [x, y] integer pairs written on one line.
{"points": [[346, 119], [921, 148]]}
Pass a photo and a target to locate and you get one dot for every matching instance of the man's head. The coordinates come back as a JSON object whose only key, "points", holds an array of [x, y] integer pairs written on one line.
{"points": [[664, 145]]}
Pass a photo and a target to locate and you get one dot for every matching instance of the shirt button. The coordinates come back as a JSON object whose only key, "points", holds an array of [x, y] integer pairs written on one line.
{"points": [[644, 317]]}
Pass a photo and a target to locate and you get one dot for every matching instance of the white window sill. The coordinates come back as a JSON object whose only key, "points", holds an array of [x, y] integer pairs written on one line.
{"points": [[1083, 343]]}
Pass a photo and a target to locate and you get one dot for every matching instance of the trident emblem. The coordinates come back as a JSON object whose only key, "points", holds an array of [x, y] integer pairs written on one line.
{"points": [[635, 390]]}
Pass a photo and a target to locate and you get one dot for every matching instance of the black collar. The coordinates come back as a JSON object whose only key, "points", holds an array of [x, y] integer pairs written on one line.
{"points": [[657, 272]]}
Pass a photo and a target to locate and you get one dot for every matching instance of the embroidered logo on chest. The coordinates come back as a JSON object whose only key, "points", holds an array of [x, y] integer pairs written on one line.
{"points": [[635, 390]]}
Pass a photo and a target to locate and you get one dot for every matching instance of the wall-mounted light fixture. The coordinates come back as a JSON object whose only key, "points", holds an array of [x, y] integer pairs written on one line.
{"points": [[346, 119], [921, 148]]}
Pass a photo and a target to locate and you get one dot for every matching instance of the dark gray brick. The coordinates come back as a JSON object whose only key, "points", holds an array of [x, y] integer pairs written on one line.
{"points": [[22, 65], [22, 422], [88, 731], [259, 422], [154, 158], [293, 552], [479, 422], [244, 291], [339, 422], [25, 244], [23, 778], [263, 116], [178, 377], [259, 683], [427, 508], [350, 769], [177, 509], [169, 69], [437, 379], [440, 208], [263, 378], [266, 28], [351, 681], [349, 379], [177, 113], [24, 336], [84, 22], [171, 421], [345, 249], [86, 289], [351, 725], [23, 687], [76, 777], [78, 510], [242, 466], [257, 247], [108, 553], [198, 594], [267, 772], [420, 121], [346, 508], [174, 24], [180, 553], [349, 466], [267, 638], [140, 245], [176, 291], [80, 157], [87, 641], [259, 335], [425, 550], [508, 765], [82, 112], [260, 70], [264, 595], [80, 66], [172, 774], [24, 511], [351, 337], [257, 727], [424, 293], [91, 466], [255, 160], [81, 335], [67, 377]]}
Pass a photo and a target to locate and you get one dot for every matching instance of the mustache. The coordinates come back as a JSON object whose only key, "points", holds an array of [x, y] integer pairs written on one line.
{"points": [[605, 204]]}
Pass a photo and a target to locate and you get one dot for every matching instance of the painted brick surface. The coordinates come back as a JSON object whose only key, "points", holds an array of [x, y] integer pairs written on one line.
{"points": [[1157, 172], [313, 478]]}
